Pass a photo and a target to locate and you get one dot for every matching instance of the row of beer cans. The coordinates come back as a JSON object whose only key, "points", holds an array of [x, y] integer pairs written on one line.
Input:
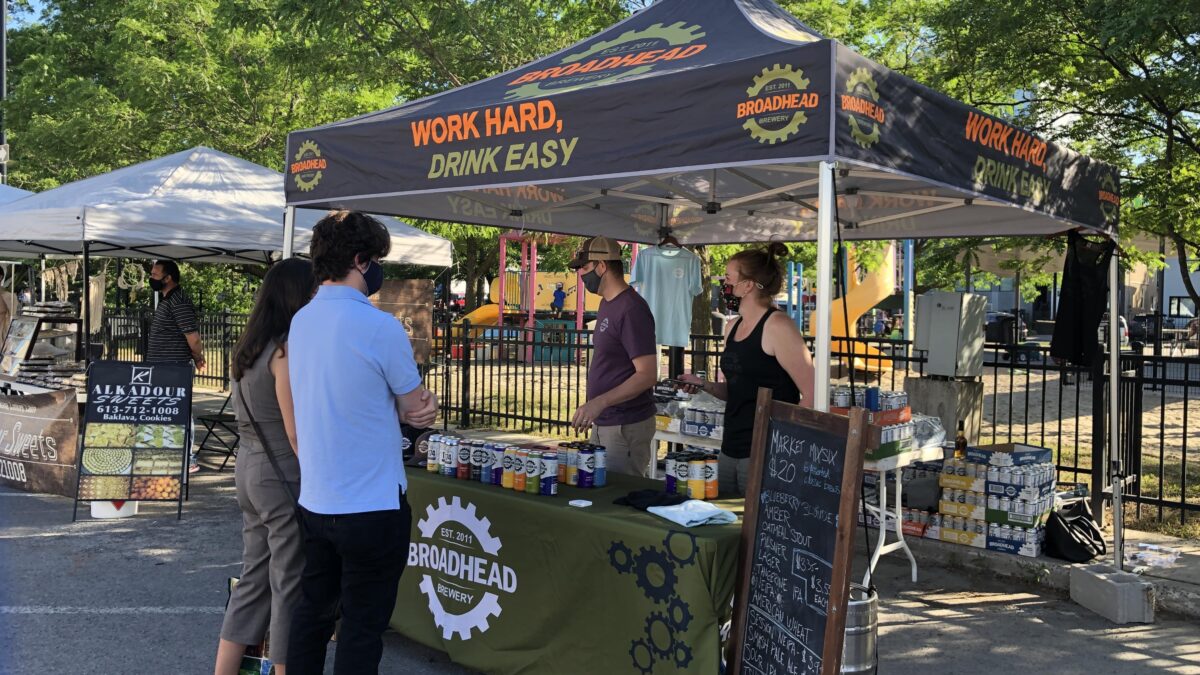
{"points": [[692, 474], [533, 470]]}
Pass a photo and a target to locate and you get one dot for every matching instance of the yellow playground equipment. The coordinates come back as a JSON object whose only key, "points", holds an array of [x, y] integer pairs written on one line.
{"points": [[862, 294]]}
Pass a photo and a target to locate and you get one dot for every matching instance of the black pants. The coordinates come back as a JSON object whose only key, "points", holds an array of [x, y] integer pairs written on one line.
{"points": [[356, 559]]}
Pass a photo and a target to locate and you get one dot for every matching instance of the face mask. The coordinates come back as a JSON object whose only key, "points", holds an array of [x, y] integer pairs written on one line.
{"points": [[732, 302], [156, 285], [591, 281], [374, 277]]}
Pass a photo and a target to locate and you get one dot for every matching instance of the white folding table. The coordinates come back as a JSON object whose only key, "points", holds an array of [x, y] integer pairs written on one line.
{"points": [[894, 518]]}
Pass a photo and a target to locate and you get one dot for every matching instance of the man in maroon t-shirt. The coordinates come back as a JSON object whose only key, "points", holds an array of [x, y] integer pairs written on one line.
{"points": [[620, 407]]}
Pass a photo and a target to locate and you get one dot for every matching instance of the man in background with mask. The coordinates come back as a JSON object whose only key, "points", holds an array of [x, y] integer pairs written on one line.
{"points": [[354, 380], [624, 367], [175, 331]]}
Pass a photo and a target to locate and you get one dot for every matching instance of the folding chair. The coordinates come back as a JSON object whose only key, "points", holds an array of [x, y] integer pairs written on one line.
{"points": [[215, 426]]}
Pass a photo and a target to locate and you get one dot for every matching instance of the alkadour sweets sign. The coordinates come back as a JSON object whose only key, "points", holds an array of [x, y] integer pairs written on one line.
{"points": [[38, 442], [136, 434]]}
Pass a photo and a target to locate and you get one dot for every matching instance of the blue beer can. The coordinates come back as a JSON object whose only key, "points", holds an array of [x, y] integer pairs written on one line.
{"points": [[497, 464], [873, 399], [601, 477], [484, 452], [587, 467], [548, 482]]}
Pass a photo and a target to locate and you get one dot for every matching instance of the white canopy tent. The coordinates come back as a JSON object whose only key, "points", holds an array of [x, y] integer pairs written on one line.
{"points": [[199, 205]]}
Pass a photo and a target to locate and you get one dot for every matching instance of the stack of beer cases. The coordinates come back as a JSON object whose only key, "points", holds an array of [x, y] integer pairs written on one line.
{"points": [[998, 497]]}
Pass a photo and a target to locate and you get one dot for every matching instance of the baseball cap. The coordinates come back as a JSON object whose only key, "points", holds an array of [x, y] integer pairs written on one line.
{"points": [[596, 248]]}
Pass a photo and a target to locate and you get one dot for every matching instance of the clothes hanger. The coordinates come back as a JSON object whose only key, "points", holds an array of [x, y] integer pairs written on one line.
{"points": [[668, 239]]}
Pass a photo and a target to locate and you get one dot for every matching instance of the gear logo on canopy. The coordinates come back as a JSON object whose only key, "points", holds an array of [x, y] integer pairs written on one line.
{"points": [[308, 166], [464, 578], [1110, 200], [863, 112], [632, 53], [776, 102]]}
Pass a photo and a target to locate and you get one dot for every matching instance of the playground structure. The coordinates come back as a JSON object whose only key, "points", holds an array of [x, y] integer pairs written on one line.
{"points": [[862, 295]]}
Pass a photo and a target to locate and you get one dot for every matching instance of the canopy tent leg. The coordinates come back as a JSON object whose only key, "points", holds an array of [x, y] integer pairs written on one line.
{"points": [[1114, 408], [501, 280], [824, 284], [85, 332], [909, 288], [289, 232], [43, 279]]}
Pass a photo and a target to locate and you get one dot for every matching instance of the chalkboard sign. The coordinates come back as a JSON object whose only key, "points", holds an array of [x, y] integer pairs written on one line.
{"points": [[137, 433], [794, 571]]}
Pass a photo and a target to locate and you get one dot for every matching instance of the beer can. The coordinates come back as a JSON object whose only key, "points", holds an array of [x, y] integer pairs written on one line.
{"points": [[476, 461], [506, 469], [563, 450], [519, 470], [449, 465], [463, 467], [601, 477], [548, 480], [433, 456], [586, 457], [573, 466], [696, 486], [710, 478], [497, 472], [533, 472], [682, 472], [669, 487]]}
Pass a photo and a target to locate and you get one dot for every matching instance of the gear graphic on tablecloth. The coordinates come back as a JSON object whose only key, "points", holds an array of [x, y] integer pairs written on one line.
{"points": [[693, 548], [454, 511], [769, 75], [683, 655], [662, 650], [652, 557], [646, 664], [680, 614], [620, 557], [460, 624]]}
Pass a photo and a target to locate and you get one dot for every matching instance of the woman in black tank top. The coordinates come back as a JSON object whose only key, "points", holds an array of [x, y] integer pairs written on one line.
{"points": [[763, 348]]}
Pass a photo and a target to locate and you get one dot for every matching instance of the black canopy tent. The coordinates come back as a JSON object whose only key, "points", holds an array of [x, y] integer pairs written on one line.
{"points": [[719, 121]]}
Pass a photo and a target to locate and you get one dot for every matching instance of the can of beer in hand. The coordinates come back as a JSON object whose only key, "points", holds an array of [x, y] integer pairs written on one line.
{"points": [[600, 479], [533, 472], [497, 451], [586, 457], [696, 487], [669, 486], [548, 480], [519, 470], [710, 478]]}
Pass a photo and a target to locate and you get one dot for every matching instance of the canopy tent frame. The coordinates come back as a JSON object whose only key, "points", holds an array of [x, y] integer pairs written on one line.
{"points": [[925, 162]]}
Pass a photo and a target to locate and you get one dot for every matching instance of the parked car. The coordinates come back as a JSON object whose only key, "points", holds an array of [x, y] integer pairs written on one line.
{"points": [[1102, 331], [999, 328], [1142, 325]]}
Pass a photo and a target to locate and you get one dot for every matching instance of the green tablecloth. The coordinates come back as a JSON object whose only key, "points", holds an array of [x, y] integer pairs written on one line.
{"points": [[506, 582]]}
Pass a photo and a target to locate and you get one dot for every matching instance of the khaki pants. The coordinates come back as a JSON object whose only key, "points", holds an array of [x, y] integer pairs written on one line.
{"points": [[732, 476], [630, 447]]}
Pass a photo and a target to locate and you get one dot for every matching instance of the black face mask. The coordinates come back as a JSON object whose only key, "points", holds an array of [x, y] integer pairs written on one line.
{"points": [[591, 280], [156, 285], [374, 277], [732, 302]]}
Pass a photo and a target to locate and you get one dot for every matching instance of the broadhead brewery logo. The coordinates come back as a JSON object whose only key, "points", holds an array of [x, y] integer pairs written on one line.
{"points": [[861, 103], [1110, 201], [308, 166], [464, 579], [775, 105], [631, 53]]}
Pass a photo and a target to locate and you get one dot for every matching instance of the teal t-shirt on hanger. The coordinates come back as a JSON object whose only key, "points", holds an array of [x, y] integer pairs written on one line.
{"points": [[668, 278]]}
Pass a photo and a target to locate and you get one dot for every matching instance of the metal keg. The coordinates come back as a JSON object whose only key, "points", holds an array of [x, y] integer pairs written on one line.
{"points": [[862, 627]]}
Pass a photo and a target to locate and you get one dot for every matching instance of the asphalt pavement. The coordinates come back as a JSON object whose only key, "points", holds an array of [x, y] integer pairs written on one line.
{"points": [[146, 595]]}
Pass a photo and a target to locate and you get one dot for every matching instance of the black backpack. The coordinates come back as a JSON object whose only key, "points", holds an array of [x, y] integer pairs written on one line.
{"points": [[1072, 534]]}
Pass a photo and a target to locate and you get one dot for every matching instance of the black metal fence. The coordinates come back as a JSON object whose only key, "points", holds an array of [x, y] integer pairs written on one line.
{"points": [[126, 335]]}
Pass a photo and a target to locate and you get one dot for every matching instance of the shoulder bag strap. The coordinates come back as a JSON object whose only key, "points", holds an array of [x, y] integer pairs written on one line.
{"points": [[262, 438]]}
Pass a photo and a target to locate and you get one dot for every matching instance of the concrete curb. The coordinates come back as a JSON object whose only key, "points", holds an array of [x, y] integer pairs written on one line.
{"points": [[1174, 597]]}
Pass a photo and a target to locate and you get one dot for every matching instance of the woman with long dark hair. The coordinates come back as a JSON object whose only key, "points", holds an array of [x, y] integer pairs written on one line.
{"points": [[763, 348], [268, 472]]}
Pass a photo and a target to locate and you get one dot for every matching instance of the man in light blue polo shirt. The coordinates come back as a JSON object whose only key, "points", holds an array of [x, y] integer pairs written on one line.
{"points": [[353, 381]]}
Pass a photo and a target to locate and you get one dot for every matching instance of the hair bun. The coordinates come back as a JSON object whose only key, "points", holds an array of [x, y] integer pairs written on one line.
{"points": [[777, 249]]}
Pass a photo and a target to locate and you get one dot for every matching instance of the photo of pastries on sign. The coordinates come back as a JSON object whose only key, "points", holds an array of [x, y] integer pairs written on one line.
{"points": [[102, 435], [151, 489], [103, 488], [107, 461], [159, 436], [157, 463]]}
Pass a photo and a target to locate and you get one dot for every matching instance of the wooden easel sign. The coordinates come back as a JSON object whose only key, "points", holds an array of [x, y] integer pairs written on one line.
{"points": [[789, 617]]}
